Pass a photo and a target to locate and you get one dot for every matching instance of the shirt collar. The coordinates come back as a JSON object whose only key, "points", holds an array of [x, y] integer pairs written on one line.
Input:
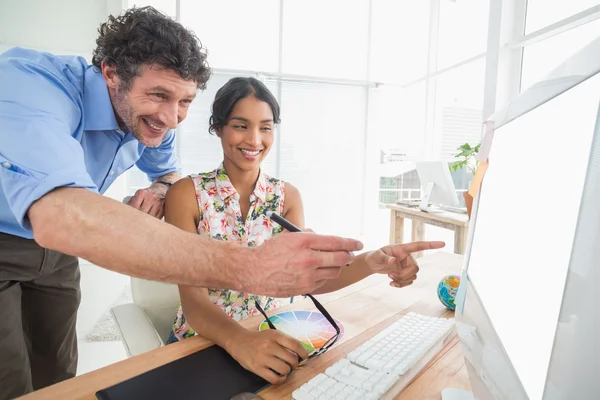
{"points": [[98, 112], [226, 189]]}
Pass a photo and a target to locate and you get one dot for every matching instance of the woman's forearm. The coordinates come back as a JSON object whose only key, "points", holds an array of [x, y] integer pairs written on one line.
{"points": [[211, 322]]}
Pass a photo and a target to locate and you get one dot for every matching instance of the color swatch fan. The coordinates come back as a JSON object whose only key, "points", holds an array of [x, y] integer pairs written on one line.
{"points": [[309, 327]]}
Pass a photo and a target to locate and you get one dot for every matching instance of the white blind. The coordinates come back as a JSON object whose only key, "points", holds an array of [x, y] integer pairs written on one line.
{"points": [[459, 126], [322, 140], [458, 109], [198, 150]]}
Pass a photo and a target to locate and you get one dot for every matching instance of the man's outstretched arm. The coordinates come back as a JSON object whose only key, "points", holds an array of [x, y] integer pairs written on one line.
{"points": [[120, 238], [117, 237]]}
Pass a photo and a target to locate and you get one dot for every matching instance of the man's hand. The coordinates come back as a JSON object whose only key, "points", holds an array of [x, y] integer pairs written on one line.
{"points": [[269, 354], [293, 264], [150, 201], [396, 261]]}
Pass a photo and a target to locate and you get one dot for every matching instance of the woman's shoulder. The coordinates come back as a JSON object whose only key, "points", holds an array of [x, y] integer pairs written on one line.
{"points": [[272, 181], [280, 183], [204, 176], [181, 198], [202, 180]]}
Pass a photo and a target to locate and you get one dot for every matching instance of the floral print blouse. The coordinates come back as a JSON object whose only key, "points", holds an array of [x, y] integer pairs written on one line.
{"points": [[221, 218]]}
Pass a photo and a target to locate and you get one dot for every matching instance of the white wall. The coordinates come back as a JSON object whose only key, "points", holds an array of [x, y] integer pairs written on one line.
{"points": [[68, 27]]}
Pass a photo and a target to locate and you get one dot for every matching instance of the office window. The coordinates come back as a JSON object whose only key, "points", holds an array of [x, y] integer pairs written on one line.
{"points": [[326, 38], [541, 14], [430, 118], [239, 34], [458, 109], [397, 118], [399, 40], [322, 144], [198, 150], [463, 28], [542, 57]]}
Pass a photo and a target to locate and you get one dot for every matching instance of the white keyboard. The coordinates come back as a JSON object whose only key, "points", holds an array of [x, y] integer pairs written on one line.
{"points": [[384, 365]]}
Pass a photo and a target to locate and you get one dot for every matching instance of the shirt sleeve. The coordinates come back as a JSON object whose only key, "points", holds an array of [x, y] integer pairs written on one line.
{"points": [[39, 112], [158, 161]]}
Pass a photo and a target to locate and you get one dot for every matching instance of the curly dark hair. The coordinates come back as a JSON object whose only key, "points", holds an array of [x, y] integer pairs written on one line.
{"points": [[144, 36]]}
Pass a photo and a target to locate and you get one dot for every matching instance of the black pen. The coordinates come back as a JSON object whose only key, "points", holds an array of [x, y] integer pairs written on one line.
{"points": [[284, 223]]}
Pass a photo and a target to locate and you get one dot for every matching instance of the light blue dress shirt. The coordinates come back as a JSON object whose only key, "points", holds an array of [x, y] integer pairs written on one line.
{"points": [[57, 129]]}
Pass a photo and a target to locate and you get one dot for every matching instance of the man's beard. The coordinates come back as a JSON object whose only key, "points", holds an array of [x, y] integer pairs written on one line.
{"points": [[125, 112]]}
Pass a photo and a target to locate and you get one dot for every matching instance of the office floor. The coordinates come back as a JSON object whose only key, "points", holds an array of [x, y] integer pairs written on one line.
{"points": [[102, 346]]}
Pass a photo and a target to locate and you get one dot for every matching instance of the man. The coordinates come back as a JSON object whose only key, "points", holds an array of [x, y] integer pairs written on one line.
{"points": [[67, 131]]}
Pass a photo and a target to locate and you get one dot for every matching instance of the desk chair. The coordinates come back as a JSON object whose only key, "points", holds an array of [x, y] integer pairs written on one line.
{"points": [[146, 323]]}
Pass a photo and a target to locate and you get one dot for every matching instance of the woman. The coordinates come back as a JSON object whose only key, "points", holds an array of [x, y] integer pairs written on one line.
{"points": [[230, 203]]}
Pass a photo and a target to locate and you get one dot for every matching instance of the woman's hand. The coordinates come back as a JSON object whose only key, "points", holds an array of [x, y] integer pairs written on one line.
{"points": [[270, 354], [396, 261]]}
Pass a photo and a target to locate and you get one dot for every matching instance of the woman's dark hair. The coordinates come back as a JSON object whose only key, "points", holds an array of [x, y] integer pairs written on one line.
{"points": [[235, 90], [144, 36]]}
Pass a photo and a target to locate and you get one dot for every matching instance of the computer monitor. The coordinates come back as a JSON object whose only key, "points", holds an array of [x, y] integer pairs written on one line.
{"points": [[437, 185], [528, 305]]}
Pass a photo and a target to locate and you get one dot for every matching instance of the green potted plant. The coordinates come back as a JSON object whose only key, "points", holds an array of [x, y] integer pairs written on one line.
{"points": [[467, 158]]}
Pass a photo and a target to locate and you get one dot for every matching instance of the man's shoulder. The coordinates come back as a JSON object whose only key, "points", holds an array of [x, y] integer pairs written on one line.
{"points": [[63, 69]]}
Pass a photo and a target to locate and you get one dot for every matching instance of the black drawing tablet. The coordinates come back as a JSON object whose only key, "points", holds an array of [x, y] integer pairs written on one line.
{"points": [[207, 374]]}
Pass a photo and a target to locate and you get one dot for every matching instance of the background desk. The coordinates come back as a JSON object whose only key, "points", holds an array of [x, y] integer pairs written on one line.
{"points": [[364, 308], [459, 223]]}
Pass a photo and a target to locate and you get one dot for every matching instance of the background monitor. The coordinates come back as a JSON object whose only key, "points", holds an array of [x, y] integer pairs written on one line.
{"points": [[437, 184]]}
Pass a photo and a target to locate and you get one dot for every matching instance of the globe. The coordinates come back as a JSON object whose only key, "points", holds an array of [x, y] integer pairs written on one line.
{"points": [[446, 290]]}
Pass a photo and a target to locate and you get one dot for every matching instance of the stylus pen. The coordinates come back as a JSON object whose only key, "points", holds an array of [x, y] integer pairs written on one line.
{"points": [[287, 225]]}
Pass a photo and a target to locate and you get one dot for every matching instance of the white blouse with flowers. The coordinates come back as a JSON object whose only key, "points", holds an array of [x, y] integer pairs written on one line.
{"points": [[221, 218]]}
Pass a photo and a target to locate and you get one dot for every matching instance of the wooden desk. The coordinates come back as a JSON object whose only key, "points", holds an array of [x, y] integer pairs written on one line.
{"points": [[459, 223], [364, 308]]}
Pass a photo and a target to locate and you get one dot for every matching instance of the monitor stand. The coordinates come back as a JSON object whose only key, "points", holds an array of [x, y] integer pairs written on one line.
{"points": [[456, 394], [424, 205]]}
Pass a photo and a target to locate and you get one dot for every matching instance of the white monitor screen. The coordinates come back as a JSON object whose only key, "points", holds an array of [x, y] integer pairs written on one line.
{"points": [[526, 221]]}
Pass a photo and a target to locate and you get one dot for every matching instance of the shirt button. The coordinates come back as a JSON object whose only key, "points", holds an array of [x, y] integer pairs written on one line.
{"points": [[6, 164], [112, 172]]}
